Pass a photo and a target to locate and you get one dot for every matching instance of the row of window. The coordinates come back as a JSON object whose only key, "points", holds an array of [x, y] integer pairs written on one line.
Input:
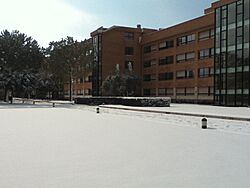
{"points": [[203, 54], [232, 81], [185, 74], [185, 39], [232, 59], [185, 57], [208, 91], [79, 92], [82, 80], [190, 56], [204, 35], [232, 92]]}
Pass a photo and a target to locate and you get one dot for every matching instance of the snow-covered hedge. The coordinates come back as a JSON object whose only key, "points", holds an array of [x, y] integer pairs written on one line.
{"points": [[128, 101]]}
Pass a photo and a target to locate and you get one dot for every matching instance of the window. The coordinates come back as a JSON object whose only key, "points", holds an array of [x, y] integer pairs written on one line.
{"points": [[190, 91], [206, 34], [162, 45], [231, 13], [162, 92], [181, 57], [206, 90], [149, 77], [231, 37], [166, 44], [239, 9], [180, 91], [86, 92], [129, 36], [206, 72], [147, 49], [146, 92], [206, 53], [149, 92], [129, 51], [211, 33], [153, 92], [246, 56], [166, 76], [185, 39], [190, 38], [146, 77], [88, 79], [189, 74], [169, 91], [246, 33], [147, 64], [185, 91], [153, 48], [239, 56], [246, 9], [180, 74], [181, 40], [153, 62], [79, 92], [203, 90], [224, 12], [190, 56], [185, 57], [166, 60], [153, 77], [165, 91], [218, 17], [150, 63], [184, 74], [239, 31]]}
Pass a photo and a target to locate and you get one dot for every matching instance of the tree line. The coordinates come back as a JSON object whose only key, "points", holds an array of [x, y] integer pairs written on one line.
{"points": [[28, 70]]}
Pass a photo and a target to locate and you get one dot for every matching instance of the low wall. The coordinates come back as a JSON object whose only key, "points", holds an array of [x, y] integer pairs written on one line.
{"points": [[128, 101]]}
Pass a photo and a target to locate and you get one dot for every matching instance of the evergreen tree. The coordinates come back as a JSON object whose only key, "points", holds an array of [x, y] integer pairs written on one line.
{"points": [[68, 59], [20, 60], [121, 84]]}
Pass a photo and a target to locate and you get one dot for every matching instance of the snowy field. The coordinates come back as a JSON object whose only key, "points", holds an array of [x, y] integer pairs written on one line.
{"points": [[73, 147]]}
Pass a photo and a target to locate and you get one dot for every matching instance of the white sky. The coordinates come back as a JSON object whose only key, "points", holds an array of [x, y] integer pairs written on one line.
{"points": [[46, 20]]}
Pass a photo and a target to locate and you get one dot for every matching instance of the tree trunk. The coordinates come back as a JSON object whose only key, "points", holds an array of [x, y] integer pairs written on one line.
{"points": [[70, 87]]}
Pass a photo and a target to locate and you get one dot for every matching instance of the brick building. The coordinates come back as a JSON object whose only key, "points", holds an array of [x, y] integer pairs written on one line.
{"points": [[81, 86], [116, 46], [179, 61]]}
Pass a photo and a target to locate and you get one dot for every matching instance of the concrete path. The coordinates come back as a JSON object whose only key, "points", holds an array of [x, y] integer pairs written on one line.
{"points": [[227, 113]]}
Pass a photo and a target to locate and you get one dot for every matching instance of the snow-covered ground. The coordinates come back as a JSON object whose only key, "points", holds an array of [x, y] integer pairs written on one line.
{"points": [[73, 147]]}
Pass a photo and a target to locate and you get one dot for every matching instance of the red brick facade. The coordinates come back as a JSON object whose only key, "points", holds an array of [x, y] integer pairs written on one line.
{"points": [[177, 61]]}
